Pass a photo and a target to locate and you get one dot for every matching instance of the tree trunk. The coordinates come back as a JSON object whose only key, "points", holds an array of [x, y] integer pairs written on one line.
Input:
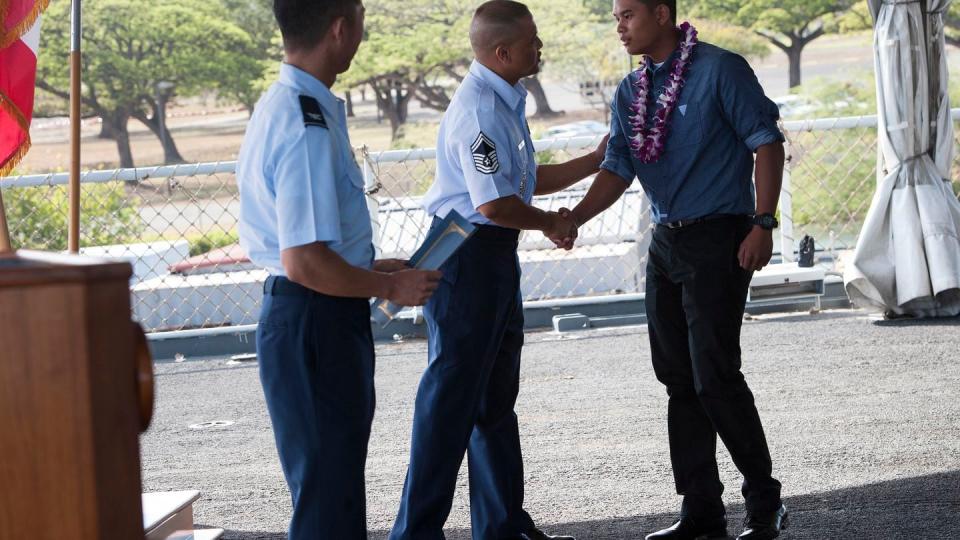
{"points": [[106, 130], [170, 152], [117, 121], [394, 102], [532, 84], [433, 97], [349, 101], [794, 54], [401, 100], [793, 48], [123, 149]]}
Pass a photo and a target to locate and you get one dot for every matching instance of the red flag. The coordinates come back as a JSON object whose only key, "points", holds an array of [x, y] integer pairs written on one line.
{"points": [[19, 42]]}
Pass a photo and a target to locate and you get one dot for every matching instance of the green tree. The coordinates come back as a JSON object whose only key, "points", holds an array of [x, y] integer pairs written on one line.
{"points": [[413, 48], [255, 17], [130, 46], [583, 46], [38, 216], [575, 39], [420, 49], [951, 21], [858, 18], [720, 33], [790, 25]]}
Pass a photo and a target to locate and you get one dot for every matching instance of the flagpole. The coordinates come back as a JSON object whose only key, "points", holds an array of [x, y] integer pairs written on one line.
{"points": [[75, 65]]}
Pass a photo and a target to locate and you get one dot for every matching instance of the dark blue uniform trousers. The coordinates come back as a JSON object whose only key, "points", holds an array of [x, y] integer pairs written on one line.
{"points": [[316, 367], [467, 394], [696, 293]]}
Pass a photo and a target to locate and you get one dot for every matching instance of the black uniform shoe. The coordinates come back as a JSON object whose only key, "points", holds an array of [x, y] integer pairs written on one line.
{"points": [[765, 526], [535, 534], [690, 529]]}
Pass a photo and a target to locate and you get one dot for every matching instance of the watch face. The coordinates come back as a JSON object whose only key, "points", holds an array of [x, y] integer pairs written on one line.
{"points": [[766, 221]]}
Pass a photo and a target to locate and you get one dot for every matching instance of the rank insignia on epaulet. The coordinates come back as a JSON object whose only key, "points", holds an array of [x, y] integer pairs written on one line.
{"points": [[312, 114], [485, 155]]}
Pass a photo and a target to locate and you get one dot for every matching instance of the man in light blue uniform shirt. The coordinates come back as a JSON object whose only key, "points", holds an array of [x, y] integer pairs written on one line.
{"points": [[303, 217], [487, 172]]}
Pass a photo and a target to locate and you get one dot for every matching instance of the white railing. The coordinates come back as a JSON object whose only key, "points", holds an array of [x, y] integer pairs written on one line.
{"points": [[154, 216]]}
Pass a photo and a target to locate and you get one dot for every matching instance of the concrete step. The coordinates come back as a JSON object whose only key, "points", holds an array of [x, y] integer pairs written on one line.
{"points": [[204, 534], [169, 516]]}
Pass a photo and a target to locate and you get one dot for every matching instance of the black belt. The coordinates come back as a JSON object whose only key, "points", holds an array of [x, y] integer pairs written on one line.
{"points": [[496, 233], [681, 223], [281, 286]]}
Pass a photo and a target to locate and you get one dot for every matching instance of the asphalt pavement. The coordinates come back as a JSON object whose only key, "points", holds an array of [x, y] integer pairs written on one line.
{"points": [[862, 417]]}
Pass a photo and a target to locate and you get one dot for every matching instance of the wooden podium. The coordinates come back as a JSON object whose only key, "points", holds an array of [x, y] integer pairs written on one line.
{"points": [[76, 390]]}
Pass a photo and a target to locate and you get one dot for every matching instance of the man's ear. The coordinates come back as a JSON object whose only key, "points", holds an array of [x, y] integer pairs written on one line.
{"points": [[503, 54], [663, 15], [338, 29]]}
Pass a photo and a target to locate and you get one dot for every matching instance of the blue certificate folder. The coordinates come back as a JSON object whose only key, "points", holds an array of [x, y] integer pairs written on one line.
{"points": [[442, 242]]}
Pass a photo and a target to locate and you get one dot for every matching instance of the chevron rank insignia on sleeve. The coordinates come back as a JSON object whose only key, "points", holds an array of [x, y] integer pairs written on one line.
{"points": [[312, 115], [485, 155]]}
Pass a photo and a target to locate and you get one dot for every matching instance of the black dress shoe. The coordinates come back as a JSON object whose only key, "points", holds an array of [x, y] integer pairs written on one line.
{"points": [[536, 534], [765, 526], [690, 529]]}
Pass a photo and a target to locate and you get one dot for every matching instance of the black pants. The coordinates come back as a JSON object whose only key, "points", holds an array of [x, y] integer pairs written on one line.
{"points": [[696, 293]]}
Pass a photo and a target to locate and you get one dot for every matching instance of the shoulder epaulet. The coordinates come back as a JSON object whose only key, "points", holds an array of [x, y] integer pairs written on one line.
{"points": [[312, 114]]}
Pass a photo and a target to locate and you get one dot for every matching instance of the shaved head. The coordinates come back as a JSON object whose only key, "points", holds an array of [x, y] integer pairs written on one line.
{"points": [[497, 23]]}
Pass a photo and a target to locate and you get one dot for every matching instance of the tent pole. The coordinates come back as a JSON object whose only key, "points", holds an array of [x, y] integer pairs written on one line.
{"points": [[75, 65]]}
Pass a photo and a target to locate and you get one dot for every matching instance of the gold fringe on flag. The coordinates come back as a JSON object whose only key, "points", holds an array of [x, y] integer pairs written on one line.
{"points": [[7, 38], [6, 104]]}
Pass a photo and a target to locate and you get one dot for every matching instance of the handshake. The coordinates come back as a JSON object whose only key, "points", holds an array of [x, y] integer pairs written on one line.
{"points": [[561, 228]]}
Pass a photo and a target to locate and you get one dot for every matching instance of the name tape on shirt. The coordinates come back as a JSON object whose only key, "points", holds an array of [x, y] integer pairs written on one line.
{"points": [[485, 155], [312, 115]]}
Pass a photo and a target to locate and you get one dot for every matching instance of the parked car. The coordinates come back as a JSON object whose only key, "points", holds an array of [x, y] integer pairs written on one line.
{"points": [[576, 129], [797, 106]]}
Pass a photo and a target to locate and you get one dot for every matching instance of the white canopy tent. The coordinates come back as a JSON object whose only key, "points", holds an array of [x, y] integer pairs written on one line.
{"points": [[907, 260]]}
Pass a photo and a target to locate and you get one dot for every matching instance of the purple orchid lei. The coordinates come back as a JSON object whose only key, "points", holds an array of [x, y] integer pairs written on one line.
{"points": [[647, 145]]}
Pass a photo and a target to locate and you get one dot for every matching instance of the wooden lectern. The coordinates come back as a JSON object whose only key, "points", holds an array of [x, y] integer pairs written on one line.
{"points": [[76, 390]]}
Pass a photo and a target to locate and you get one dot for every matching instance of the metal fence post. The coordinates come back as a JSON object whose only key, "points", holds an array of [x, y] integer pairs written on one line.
{"points": [[370, 187], [786, 207]]}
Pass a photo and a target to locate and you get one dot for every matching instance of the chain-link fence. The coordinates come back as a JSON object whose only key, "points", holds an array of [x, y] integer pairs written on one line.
{"points": [[177, 225]]}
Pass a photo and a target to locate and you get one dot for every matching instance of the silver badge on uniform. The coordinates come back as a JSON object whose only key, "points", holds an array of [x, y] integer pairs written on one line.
{"points": [[485, 155]]}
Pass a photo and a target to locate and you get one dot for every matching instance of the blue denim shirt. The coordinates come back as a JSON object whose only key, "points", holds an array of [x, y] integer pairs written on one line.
{"points": [[721, 118]]}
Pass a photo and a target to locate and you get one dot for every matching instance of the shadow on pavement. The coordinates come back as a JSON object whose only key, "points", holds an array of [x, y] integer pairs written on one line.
{"points": [[924, 507], [907, 321]]}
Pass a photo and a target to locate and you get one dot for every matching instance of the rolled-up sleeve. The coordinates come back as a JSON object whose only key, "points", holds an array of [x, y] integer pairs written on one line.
{"points": [[306, 189], [744, 105], [484, 151], [617, 158]]}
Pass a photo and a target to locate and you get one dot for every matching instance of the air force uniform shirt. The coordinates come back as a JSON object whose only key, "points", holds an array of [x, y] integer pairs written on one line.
{"points": [[484, 150], [299, 182]]}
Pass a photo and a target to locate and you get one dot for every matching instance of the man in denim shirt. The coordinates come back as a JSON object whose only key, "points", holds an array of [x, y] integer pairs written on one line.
{"points": [[713, 230]]}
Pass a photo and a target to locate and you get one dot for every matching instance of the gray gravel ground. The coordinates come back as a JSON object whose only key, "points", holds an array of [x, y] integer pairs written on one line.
{"points": [[862, 417]]}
